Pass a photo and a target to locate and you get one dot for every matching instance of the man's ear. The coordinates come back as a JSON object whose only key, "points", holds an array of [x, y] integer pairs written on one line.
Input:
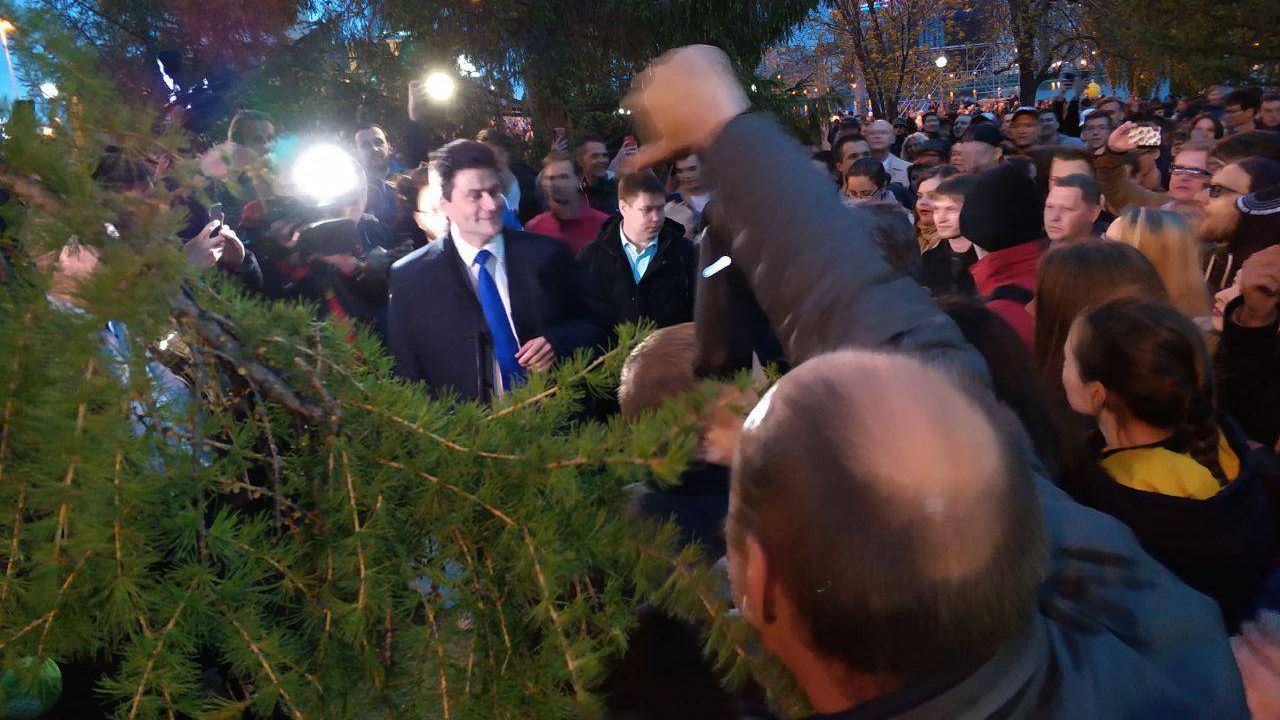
{"points": [[754, 581]]}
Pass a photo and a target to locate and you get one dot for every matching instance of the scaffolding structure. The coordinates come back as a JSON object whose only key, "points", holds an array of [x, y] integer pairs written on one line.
{"points": [[978, 71]]}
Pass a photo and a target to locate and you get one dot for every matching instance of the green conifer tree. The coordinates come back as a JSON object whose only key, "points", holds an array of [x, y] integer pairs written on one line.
{"points": [[318, 535]]}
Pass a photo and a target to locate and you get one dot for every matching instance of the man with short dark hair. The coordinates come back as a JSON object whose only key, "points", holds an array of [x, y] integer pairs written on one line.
{"points": [[1240, 110], [642, 266], [1269, 112], [472, 313], [1049, 135], [1095, 127], [1112, 108], [849, 147], [598, 183], [1071, 210], [930, 124], [568, 216], [687, 203], [373, 150]]}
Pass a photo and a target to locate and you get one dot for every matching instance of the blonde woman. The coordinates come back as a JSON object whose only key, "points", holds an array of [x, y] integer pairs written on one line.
{"points": [[1165, 238]]}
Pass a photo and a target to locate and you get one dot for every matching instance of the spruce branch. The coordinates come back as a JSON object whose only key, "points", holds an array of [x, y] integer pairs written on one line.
{"points": [[6, 419], [159, 647], [47, 618], [502, 623], [214, 336], [439, 646], [253, 646], [64, 509], [556, 622], [575, 378], [355, 524], [423, 431]]}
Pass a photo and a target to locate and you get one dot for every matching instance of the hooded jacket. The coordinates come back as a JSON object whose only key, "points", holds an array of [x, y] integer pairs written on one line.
{"points": [[1003, 214], [1116, 635]]}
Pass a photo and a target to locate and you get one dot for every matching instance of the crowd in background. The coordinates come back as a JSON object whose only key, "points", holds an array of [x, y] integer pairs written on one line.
{"points": [[1112, 265]]}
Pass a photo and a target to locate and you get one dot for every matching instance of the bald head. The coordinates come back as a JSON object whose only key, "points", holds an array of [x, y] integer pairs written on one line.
{"points": [[879, 135], [897, 510]]}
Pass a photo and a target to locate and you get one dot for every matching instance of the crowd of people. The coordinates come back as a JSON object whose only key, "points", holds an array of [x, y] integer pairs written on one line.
{"points": [[1022, 462]]}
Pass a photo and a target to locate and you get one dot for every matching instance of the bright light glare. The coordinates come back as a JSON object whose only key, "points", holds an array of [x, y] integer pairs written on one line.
{"points": [[324, 173], [49, 90], [440, 87], [941, 61]]}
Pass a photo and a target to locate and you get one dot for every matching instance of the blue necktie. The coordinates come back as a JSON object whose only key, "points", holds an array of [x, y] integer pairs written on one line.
{"points": [[495, 316]]}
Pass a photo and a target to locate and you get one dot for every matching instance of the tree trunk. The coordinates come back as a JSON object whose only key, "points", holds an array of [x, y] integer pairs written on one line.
{"points": [[1021, 24]]}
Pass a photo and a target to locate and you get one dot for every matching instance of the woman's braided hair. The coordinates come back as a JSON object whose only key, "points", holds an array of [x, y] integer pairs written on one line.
{"points": [[1154, 361]]}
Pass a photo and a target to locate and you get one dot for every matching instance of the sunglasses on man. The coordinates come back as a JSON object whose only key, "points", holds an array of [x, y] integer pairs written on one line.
{"points": [[1192, 171]]}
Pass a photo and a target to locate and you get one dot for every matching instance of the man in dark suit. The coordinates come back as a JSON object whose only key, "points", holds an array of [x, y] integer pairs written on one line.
{"points": [[476, 310]]}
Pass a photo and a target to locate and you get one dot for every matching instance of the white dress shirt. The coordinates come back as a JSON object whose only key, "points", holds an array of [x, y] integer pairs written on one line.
{"points": [[497, 267]]}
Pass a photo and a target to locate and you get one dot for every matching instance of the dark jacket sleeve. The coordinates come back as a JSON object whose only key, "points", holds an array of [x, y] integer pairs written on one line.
{"points": [[811, 262], [400, 327], [573, 330], [1248, 376], [594, 277]]}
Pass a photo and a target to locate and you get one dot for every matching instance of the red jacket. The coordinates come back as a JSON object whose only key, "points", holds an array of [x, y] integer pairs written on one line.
{"points": [[1012, 268]]}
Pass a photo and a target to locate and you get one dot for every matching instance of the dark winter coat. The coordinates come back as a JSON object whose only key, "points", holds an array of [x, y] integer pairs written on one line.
{"points": [[664, 295], [1221, 546]]}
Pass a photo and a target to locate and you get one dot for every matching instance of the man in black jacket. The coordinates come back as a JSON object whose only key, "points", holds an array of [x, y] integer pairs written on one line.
{"points": [[641, 266], [472, 313]]}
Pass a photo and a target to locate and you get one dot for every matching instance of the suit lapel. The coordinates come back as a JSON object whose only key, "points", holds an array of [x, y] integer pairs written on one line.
{"points": [[518, 287], [454, 276]]}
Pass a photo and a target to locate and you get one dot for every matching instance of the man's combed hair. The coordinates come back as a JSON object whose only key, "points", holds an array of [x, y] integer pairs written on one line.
{"points": [[1089, 188], [659, 368], [633, 184], [852, 494], [461, 155]]}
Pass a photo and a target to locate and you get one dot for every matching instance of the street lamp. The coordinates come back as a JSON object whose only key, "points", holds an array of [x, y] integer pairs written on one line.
{"points": [[941, 61], [440, 87], [49, 90]]}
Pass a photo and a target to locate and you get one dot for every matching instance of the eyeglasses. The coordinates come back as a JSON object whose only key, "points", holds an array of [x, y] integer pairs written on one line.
{"points": [[1184, 170], [1216, 190]]}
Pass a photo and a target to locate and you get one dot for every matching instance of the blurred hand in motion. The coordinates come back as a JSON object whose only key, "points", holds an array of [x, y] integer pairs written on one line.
{"points": [[682, 101]]}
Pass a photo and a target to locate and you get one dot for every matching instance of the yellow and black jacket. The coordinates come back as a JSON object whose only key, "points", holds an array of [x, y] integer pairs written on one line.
{"points": [[1219, 537]]}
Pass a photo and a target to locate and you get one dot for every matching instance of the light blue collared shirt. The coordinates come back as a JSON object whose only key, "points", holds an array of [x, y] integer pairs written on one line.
{"points": [[639, 259]]}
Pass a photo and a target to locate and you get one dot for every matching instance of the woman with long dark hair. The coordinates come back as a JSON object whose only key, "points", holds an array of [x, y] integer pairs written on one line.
{"points": [[1185, 483]]}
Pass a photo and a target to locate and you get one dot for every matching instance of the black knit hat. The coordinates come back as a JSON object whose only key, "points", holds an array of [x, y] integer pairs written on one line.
{"points": [[1003, 209], [983, 133]]}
